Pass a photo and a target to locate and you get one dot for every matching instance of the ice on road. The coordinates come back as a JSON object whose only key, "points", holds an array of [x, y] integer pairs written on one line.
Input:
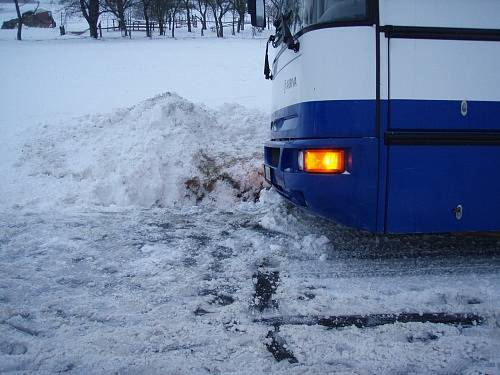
{"points": [[174, 291]]}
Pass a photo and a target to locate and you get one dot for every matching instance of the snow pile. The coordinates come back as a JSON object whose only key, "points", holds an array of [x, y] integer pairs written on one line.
{"points": [[162, 152]]}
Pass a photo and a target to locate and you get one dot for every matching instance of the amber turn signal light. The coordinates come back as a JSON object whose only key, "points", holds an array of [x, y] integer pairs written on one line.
{"points": [[322, 161]]}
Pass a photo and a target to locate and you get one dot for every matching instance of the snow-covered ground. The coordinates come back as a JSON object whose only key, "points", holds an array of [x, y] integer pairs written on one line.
{"points": [[173, 291], [135, 236]]}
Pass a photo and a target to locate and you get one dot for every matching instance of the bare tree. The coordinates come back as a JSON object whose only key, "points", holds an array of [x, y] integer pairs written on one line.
{"points": [[187, 7], [240, 7], [233, 20], [119, 8], [21, 17], [174, 8], [146, 5], [91, 12], [219, 10], [273, 8], [90, 9], [159, 10], [202, 8], [19, 20]]}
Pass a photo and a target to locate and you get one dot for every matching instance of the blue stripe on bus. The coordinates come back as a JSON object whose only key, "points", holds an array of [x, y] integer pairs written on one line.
{"points": [[321, 119], [444, 115], [357, 118]]}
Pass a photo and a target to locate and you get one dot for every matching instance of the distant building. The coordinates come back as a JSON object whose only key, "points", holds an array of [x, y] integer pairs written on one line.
{"points": [[38, 18]]}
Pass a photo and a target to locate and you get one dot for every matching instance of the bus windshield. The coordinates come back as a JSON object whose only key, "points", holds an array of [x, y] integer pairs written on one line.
{"points": [[305, 13]]}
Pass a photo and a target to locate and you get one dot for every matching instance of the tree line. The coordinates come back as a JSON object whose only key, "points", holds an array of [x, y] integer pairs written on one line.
{"points": [[163, 12]]}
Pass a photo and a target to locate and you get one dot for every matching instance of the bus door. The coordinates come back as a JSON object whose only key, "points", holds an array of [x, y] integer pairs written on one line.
{"points": [[443, 131]]}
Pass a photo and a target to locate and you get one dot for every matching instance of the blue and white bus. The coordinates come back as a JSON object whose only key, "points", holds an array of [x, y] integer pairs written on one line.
{"points": [[386, 113]]}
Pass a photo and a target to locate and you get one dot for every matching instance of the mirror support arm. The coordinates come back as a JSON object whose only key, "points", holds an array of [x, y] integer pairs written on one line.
{"points": [[267, 68], [293, 44]]}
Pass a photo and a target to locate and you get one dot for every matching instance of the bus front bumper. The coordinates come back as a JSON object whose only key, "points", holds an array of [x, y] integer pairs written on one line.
{"points": [[349, 198]]}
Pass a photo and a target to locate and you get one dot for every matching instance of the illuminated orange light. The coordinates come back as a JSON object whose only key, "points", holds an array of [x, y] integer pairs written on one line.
{"points": [[324, 161]]}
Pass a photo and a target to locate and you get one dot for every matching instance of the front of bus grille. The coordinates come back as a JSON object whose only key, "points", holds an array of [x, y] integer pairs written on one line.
{"points": [[283, 161], [272, 156]]}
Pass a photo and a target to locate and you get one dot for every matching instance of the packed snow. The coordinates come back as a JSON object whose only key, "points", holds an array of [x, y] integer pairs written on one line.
{"points": [[137, 234], [165, 151]]}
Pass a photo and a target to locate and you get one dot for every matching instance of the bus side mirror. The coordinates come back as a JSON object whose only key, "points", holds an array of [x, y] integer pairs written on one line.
{"points": [[257, 11]]}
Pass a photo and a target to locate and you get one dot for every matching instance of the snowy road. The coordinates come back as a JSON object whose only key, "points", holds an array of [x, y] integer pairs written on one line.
{"points": [[174, 291]]}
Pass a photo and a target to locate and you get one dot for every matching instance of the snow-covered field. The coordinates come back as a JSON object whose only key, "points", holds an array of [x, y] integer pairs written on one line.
{"points": [[135, 236]]}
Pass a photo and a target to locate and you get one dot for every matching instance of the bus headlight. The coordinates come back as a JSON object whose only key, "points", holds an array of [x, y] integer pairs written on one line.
{"points": [[322, 161]]}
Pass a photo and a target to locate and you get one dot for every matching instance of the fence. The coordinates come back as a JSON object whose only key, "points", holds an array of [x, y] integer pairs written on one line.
{"points": [[140, 25], [134, 26]]}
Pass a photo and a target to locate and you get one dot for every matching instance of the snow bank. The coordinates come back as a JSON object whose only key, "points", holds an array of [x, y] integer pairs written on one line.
{"points": [[162, 152]]}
